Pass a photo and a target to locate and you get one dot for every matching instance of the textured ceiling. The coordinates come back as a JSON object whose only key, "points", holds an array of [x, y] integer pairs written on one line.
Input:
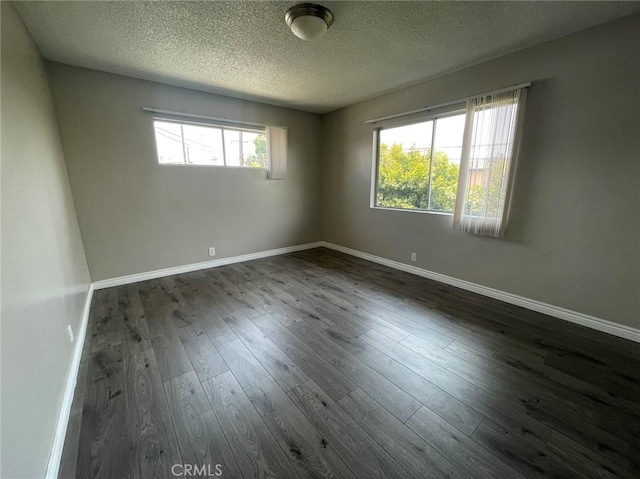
{"points": [[244, 49]]}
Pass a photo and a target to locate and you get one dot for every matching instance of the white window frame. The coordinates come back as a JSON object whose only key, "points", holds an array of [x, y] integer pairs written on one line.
{"points": [[457, 109], [210, 124]]}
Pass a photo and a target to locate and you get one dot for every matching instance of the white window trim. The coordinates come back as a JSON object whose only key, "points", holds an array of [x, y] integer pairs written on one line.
{"points": [[212, 123], [281, 164], [458, 109]]}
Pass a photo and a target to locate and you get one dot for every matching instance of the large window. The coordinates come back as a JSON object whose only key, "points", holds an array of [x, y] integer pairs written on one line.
{"points": [[181, 143], [460, 160], [418, 164]]}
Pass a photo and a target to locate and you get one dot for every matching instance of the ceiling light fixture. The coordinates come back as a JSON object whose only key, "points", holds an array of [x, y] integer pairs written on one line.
{"points": [[308, 21]]}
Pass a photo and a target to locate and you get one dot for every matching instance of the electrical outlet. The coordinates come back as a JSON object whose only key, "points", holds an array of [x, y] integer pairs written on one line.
{"points": [[212, 251], [70, 331], [414, 257]]}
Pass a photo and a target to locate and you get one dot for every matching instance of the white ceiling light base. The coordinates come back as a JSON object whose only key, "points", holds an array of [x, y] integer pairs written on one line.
{"points": [[308, 21]]}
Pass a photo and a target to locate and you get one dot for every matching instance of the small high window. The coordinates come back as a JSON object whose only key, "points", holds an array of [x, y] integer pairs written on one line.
{"points": [[180, 143]]}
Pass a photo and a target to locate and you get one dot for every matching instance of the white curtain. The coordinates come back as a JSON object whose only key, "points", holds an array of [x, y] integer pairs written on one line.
{"points": [[277, 152], [487, 166]]}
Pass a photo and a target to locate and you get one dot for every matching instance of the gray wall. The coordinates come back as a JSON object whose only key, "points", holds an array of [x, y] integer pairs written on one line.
{"points": [[574, 236], [136, 215], [44, 272]]}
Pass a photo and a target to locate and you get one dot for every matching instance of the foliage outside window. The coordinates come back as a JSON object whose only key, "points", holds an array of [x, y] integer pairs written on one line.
{"points": [[460, 162], [486, 187], [486, 179], [194, 144], [418, 165]]}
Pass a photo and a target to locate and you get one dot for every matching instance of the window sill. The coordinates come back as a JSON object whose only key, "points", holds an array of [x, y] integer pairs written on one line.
{"points": [[200, 165], [403, 210]]}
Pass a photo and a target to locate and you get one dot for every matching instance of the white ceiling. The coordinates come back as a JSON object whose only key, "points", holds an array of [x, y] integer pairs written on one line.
{"points": [[245, 49]]}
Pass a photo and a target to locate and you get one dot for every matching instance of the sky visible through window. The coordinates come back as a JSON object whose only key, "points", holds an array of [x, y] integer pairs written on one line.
{"points": [[419, 163], [188, 144], [448, 136], [409, 175]]}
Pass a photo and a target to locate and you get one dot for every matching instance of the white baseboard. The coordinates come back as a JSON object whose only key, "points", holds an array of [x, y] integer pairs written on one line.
{"points": [[55, 457], [160, 273], [603, 325]]}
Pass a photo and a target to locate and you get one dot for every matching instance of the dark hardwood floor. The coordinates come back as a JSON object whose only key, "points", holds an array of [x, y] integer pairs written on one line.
{"points": [[318, 364]]}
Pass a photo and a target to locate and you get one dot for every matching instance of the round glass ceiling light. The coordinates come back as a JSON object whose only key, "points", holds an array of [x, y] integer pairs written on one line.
{"points": [[308, 21]]}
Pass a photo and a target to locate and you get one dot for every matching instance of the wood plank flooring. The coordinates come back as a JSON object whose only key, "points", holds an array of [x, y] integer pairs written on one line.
{"points": [[318, 364]]}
